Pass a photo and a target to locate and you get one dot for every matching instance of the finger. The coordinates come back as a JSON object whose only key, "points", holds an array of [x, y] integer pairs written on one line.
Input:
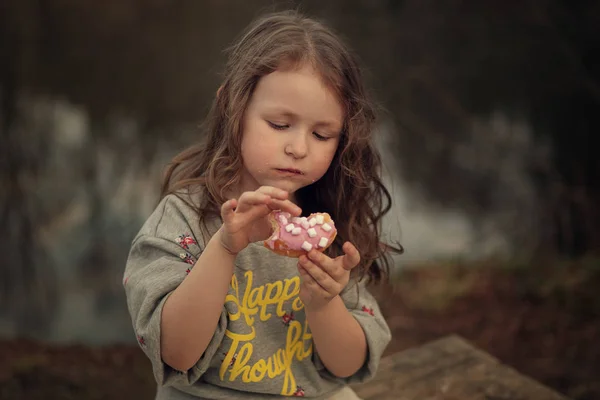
{"points": [[273, 192], [331, 267], [228, 210], [285, 205], [308, 280], [252, 206], [324, 280], [303, 273], [248, 199], [351, 258]]}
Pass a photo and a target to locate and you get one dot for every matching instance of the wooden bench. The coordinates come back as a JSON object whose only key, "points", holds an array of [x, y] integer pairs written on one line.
{"points": [[450, 369]]}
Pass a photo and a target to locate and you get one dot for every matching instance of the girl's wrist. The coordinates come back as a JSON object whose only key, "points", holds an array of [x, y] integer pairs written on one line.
{"points": [[320, 307], [218, 237]]}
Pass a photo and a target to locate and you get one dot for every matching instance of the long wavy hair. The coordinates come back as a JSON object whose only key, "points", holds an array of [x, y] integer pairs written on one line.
{"points": [[351, 191]]}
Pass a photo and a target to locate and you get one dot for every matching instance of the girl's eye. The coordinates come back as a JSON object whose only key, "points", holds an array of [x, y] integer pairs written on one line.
{"points": [[320, 137], [277, 126]]}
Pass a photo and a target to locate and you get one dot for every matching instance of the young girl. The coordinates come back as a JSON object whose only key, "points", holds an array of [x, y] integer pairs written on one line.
{"points": [[218, 314]]}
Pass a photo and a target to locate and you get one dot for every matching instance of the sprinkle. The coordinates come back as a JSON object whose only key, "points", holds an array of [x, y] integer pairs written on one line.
{"points": [[312, 232], [296, 220], [312, 222], [289, 227], [305, 224], [283, 219], [323, 242], [306, 246], [296, 231], [326, 227], [287, 215], [320, 219]]}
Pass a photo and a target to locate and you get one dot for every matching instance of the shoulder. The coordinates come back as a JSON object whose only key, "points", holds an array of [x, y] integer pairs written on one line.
{"points": [[178, 214]]}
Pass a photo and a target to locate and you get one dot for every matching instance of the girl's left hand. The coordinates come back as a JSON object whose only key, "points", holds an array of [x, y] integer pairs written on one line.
{"points": [[323, 278]]}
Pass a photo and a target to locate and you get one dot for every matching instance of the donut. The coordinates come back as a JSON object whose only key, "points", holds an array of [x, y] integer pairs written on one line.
{"points": [[294, 236]]}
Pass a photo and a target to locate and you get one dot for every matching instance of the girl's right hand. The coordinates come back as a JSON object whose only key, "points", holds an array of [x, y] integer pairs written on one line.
{"points": [[245, 219]]}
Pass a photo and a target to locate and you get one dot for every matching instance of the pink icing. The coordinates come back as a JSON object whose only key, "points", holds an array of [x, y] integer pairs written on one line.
{"points": [[295, 242]]}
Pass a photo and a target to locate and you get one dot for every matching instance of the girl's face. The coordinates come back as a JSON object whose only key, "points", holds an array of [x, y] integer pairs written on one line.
{"points": [[291, 130]]}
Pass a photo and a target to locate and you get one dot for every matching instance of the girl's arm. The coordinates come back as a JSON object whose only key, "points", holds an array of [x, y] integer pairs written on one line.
{"points": [[348, 330], [191, 313], [338, 338]]}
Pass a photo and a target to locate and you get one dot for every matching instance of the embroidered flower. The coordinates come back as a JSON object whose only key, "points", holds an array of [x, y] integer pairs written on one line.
{"points": [[368, 310], [287, 318], [185, 240], [232, 359], [187, 257], [141, 340], [299, 392]]}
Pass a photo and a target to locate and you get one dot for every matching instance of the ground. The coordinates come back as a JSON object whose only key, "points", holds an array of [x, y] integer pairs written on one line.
{"points": [[543, 321]]}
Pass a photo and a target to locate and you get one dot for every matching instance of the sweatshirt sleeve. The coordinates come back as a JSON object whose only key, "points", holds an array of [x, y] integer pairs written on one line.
{"points": [[364, 308], [161, 256]]}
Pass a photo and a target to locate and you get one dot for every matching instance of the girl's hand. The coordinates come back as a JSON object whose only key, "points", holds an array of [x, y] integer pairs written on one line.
{"points": [[245, 219], [324, 278]]}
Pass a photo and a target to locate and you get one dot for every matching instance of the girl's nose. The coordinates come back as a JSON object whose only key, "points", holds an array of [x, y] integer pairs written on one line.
{"points": [[297, 146]]}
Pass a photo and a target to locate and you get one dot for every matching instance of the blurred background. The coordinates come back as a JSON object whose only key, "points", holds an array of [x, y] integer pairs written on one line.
{"points": [[489, 109]]}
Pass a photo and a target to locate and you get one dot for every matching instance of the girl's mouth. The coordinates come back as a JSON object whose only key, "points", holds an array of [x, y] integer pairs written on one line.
{"points": [[290, 171]]}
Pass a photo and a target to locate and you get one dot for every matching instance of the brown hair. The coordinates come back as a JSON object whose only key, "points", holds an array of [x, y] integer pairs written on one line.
{"points": [[351, 191]]}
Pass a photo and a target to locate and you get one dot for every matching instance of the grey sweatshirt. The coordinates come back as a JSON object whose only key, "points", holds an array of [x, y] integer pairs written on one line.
{"points": [[262, 346]]}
